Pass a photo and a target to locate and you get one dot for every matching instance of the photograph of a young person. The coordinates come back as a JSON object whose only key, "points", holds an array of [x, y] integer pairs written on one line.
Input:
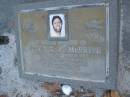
{"points": [[57, 25]]}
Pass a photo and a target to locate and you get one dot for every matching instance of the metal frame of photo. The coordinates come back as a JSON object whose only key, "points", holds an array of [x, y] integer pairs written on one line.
{"points": [[65, 24]]}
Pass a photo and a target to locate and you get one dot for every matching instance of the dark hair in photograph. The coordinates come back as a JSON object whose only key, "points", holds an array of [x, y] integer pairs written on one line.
{"points": [[54, 17]]}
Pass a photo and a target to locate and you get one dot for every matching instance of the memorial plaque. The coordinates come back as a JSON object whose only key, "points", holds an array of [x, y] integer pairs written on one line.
{"points": [[81, 53]]}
